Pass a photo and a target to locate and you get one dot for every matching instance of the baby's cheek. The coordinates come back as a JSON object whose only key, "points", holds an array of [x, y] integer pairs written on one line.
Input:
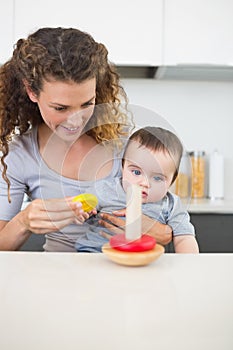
{"points": [[126, 182], [158, 192]]}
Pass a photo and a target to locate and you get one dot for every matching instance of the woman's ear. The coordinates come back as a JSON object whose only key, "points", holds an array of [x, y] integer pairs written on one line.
{"points": [[29, 91]]}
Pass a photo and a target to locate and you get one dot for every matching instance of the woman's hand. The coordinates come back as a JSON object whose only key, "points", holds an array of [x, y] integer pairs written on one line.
{"points": [[162, 233], [112, 223], [44, 216]]}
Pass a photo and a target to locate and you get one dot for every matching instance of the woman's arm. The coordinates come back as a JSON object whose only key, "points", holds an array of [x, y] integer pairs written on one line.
{"points": [[161, 232], [12, 234], [39, 217]]}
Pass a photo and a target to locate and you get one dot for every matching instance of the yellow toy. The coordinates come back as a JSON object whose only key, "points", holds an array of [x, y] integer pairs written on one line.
{"points": [[89, 201]]}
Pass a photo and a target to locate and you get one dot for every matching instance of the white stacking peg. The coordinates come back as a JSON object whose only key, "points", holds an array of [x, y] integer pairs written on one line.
{"points": [[133, 213]]}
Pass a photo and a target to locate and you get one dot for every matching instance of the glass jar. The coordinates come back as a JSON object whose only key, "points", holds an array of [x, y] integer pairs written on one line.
{"points": [[198, 173], [183, 180]]}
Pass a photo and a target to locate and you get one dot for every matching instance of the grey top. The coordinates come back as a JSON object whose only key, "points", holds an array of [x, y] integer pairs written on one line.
{"points": [[111, 195], [28, 173]]}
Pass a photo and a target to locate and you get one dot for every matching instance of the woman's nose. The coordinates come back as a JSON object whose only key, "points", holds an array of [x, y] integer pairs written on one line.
{"points": [[80, 115], [75, 117]]}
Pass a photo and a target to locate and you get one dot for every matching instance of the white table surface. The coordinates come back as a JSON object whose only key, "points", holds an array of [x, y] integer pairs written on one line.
{"points": [[84, 301]]}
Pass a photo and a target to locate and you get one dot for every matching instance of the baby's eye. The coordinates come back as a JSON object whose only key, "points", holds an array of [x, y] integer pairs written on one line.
{"points": [[136, 172], [158, 178]]}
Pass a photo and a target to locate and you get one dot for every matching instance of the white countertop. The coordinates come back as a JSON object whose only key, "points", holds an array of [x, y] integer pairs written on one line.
{"points": [[217, 206], [84, 301]]}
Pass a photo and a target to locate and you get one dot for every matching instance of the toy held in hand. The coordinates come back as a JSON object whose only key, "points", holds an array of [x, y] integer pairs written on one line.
{"points": [[89, 201]]}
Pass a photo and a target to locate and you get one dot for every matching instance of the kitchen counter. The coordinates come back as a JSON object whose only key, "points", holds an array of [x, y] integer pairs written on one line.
{"points": [[219, 206], [84, 301]]}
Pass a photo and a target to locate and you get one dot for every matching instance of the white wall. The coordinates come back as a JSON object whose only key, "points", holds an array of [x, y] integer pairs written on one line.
{"points": [[200, 112]]}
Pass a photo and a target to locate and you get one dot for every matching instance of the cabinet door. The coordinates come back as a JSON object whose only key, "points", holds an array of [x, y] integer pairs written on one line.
{"points": [[214, 232], [131, 31], [199, 32], [6, 28]]}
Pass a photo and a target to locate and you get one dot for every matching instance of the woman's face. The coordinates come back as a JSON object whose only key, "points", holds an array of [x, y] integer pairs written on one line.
{"points": [[66, 107]]}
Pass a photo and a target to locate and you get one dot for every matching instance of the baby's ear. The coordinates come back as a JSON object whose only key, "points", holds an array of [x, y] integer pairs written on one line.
{"points": [[29, 91]]}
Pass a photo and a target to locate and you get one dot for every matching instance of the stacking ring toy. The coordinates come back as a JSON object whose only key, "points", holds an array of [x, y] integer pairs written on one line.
{"points": [[144, 243]]}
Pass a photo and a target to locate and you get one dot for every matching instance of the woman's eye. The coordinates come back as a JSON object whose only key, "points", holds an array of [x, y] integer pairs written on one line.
{"points": [[136, 172], [89, 104], [59, 109]]}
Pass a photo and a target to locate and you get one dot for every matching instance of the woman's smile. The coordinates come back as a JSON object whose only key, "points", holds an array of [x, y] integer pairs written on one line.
{"points": [[70, 130]]}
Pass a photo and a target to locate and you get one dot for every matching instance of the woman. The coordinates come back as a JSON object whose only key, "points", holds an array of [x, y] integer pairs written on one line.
{"points": [[51, 125]]}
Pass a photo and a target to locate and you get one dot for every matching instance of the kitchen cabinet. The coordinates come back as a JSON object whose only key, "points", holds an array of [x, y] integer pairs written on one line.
{"points": [[162, 32], [6, 28], [132, 32], [198, 32], [34, 243], [214, 233]]}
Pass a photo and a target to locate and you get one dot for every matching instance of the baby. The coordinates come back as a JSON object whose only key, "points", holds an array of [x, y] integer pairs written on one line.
{"points": [[151, 160]]}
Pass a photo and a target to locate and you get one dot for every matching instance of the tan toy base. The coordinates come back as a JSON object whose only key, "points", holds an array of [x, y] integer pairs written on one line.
{"points": [[133, 258]]}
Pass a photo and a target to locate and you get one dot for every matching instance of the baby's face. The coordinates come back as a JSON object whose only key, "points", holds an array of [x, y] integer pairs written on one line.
{"points": [[153, 171]]}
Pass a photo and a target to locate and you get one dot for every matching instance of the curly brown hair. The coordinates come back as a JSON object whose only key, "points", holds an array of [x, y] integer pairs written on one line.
{"points": [[63, 54]]}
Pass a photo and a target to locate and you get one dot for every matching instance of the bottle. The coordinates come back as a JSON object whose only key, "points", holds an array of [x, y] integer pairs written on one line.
{"points": [[198, 174], [216, 175], [182, 184]]}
